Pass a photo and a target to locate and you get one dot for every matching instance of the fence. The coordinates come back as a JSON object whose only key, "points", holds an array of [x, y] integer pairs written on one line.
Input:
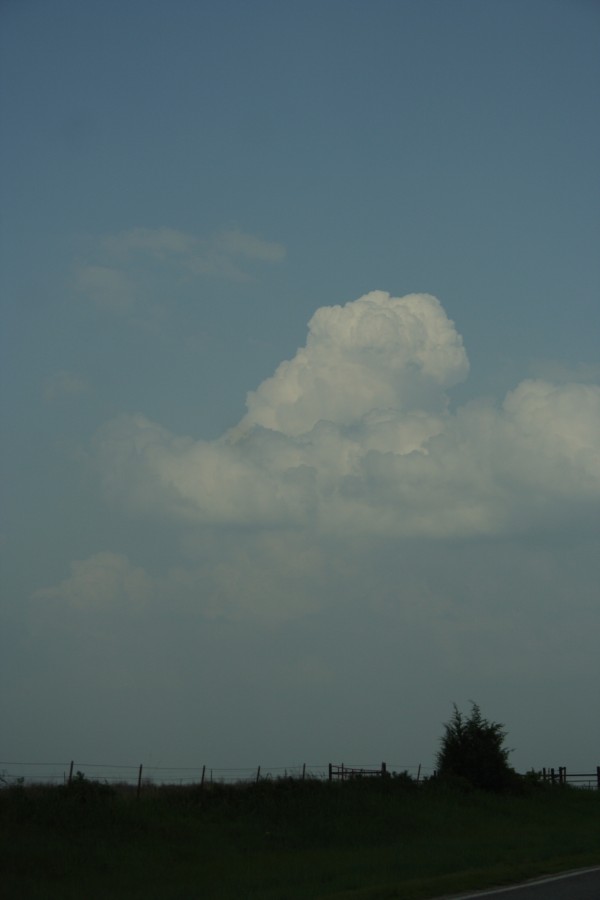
{"points": [[580, 779], [342, 772], [139, 775]]}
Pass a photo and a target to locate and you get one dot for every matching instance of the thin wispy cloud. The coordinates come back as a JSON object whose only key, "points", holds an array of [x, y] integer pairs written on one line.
{"points": [[104, 581], [122, 273], [106, 287], [64, 385]]}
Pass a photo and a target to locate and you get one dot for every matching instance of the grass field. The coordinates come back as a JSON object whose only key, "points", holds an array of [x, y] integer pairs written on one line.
{"points": [[286, 839]]}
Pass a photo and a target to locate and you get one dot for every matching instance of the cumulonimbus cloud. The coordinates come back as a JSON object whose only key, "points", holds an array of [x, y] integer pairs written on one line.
{"points": [[354, 435], [379, 352]]}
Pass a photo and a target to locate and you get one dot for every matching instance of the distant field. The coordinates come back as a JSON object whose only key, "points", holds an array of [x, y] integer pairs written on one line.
{"points": [[286, 840]]}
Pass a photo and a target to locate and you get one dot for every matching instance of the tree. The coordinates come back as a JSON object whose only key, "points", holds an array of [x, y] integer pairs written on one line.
{"points": [[473, 748]]}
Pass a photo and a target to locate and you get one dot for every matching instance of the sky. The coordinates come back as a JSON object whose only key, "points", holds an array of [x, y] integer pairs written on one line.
{"points": [[300, 391]]}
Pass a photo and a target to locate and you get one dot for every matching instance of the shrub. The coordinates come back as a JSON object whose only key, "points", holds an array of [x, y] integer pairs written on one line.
{"points": [[472, 748]]}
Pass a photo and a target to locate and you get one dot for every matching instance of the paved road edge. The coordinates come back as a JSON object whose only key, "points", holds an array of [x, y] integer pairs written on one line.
{"points": [[530, 882]]}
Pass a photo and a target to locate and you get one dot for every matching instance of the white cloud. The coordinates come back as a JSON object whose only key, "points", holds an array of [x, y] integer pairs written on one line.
{"points": [[552, 439], [353, 436]]}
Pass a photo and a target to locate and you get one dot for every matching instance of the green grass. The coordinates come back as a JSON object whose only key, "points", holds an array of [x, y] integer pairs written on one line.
{"points": [[287, 840]]}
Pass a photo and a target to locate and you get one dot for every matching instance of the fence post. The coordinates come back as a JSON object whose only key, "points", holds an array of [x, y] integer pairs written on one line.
{"points": [[419, 773], [562, 775], [71, 772], [383, 770], [303, 771], [257, 774], [598, 777], [139, 784], [330, 773], [202, 779]]}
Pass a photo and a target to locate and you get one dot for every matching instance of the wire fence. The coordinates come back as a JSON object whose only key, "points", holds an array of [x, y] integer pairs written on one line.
{"points": [[30, 773]]}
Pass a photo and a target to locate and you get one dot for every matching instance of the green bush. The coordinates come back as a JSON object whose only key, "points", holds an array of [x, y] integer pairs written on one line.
{"points": [[472, 749]]}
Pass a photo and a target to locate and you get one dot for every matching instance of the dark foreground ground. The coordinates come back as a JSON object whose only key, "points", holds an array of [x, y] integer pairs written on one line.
{"points": [[287, 840]]}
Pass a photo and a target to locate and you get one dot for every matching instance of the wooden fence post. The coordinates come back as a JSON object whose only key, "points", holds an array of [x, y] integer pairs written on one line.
{"points": [[598, 776], [419, 773], [303, 771], [383, 770], [139, 784], [257, 775], [330, 772], [71, 772], [202, 779]]}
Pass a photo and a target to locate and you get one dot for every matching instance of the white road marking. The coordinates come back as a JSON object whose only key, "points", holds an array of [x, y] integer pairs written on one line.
{"points": [[517, 887]]}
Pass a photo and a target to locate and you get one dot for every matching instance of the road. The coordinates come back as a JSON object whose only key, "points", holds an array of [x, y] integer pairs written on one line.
{"points": [[583, 884]]}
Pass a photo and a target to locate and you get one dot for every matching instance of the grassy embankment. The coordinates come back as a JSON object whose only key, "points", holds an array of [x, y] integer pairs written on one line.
{"points": [[286, 840]]}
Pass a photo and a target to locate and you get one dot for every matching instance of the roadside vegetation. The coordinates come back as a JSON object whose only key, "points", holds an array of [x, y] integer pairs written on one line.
{"points": [[363, 839]]}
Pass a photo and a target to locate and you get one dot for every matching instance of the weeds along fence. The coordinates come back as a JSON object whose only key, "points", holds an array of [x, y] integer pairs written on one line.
{"points": [[138, 776], [579, 779]]}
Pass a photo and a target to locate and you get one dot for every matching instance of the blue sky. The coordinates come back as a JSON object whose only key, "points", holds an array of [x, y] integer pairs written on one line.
{"points": [[185, 187]]}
